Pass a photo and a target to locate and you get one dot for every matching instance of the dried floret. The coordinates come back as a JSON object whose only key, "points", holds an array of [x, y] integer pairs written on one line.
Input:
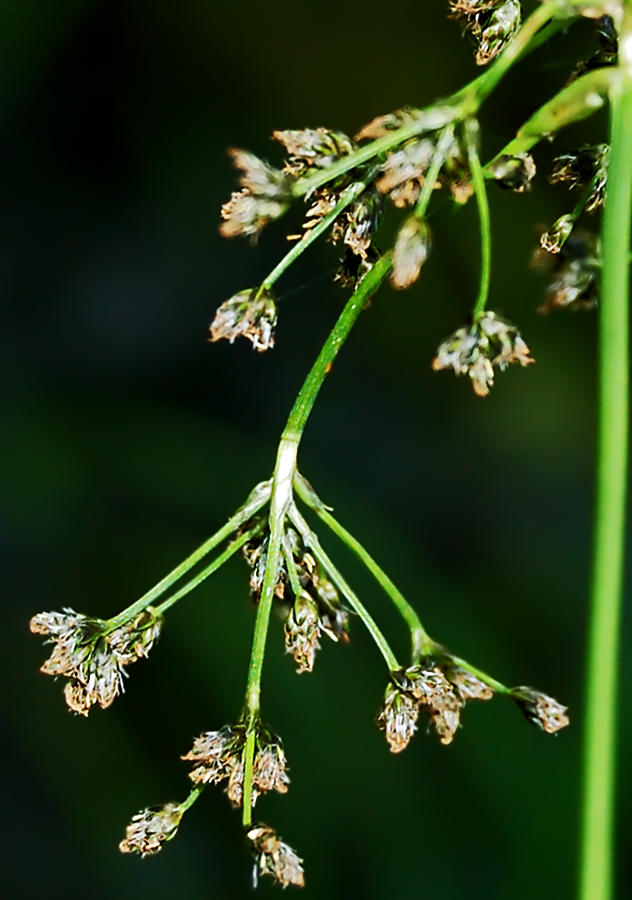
{"points": [[425, 120], [467, 685], [554, 239], [427, 683], [357, 225], [317, 147], [490, 341], [91, 657], [302, 630], [398, 718], [514, 173], [411, 251], [250, 314], [353, 268], [150, 829], [540, 710], [405, 165], [275, 858], [492, 24]]}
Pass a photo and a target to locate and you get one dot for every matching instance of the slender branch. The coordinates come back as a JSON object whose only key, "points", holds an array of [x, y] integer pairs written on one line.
{"points": [[596, 873], [188, 803], [478, 183], [346, 199], [213, 567], [482, 676], [258, 498], [311, 541], [421, 641], [430, 178]]}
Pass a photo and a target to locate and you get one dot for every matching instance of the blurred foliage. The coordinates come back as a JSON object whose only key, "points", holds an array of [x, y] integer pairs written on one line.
{"points": [[127, 439]]}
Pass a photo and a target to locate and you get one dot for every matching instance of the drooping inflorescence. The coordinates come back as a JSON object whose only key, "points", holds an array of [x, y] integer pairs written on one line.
{"points": [[407, 159]]}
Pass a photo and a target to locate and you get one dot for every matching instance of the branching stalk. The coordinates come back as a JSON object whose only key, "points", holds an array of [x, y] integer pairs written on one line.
{"points": [[478, 183]]}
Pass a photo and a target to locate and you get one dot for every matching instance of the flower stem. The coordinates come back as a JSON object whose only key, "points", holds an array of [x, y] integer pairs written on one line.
{"points": [[421, 641], [478, 183], [596, 872], [258, 498], [311, 541], [188, 803], [213, 567]]}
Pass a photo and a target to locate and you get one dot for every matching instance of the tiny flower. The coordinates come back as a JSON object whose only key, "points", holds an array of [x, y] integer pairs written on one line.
{"points": [[398, 718], [302, 630], [313, 147], [91, 657], [357, 225], [514, 173], [554, 239], [540, 710], [434, 693], [490, 341], [427, 120], [467, 685], [579, 169], [492, 23], [265, 195], [213, 754], [406, 166], [575, 273], [255, 553], [248, 314], [353, 268], [275, 858], [150, 829], [410, 253]]}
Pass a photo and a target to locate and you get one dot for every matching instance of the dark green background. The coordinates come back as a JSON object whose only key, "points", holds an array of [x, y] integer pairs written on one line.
{"points": [[127, 439]]}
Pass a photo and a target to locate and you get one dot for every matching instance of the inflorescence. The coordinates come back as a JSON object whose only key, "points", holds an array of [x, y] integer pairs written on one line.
{"points": [[406, 158]]}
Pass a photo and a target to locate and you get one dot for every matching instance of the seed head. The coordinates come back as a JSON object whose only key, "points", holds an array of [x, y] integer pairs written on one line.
{"points": [[540, 710], [150, 828], [274, 858], [467, 685], [318, 147], [411, 251], [490, 341], [357, 225], [405, 167], [302, 630], [398, 718], [492, 23], [247, 315]]}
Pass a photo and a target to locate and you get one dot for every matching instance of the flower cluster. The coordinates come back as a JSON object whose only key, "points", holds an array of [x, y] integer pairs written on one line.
{"points": [[539, 709], [219, 756], [314, 604], [150, 828], [490, 341], [492, 24], [265, 196], [273, 857], [251, 314], [90, 656], [439, 688]]}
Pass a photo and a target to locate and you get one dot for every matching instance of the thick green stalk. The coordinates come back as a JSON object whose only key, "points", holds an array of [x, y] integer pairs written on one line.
{"points": [[356, 303], [258, 498], [597, 859]]}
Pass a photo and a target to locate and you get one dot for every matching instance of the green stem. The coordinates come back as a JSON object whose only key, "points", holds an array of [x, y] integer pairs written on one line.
{"points": [[421, 641], [258, 498], [346, 199], [478, 183], [188, 803], [356, 303], [292, 572], [482, 676], [596, 873], [311, 541], [213, 567]]}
